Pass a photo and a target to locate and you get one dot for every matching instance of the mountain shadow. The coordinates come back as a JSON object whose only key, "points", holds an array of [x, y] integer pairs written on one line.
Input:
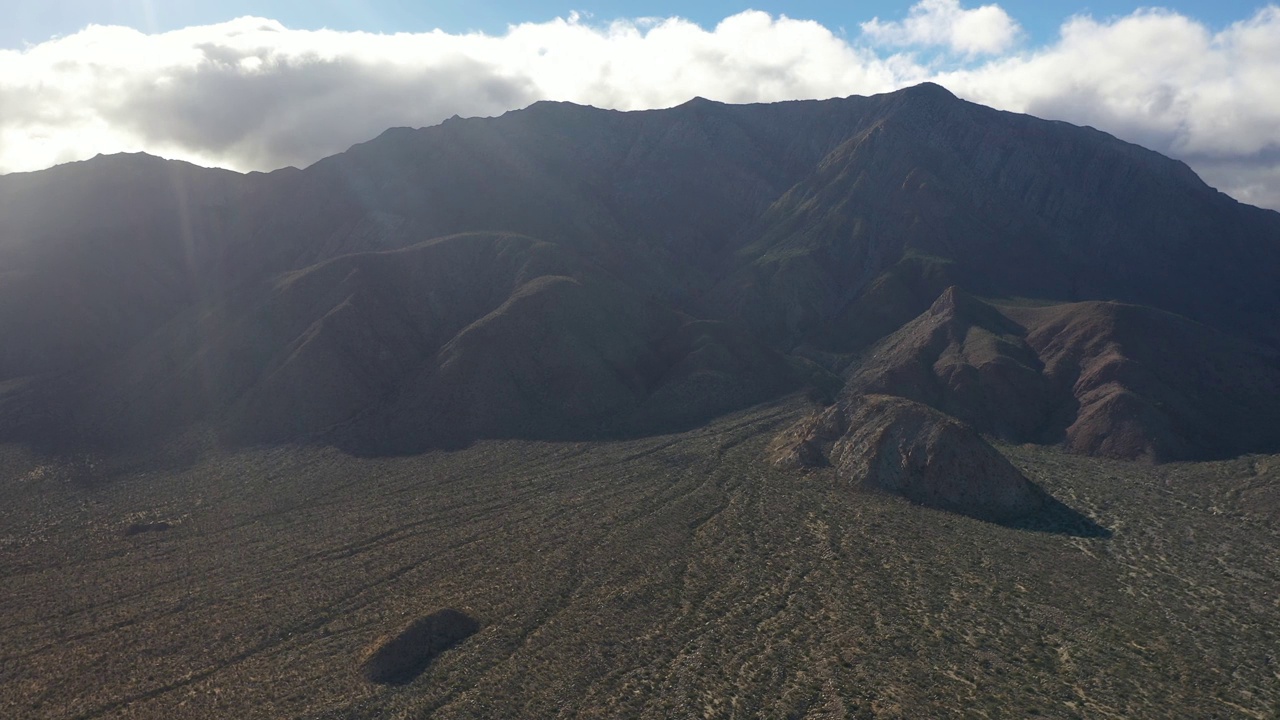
{"points": [[435, 345], [1058, 518]]}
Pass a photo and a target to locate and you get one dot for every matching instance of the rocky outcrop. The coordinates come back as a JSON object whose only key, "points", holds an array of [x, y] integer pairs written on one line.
{"points": [[908, 449]]}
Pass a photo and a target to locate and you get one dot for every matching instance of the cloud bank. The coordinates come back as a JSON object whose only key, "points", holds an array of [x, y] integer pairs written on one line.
{"points": [[987, 29], [253, 94]]}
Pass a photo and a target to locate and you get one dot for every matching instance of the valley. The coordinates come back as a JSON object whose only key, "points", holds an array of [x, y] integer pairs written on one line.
{"points": [[671, 576]]}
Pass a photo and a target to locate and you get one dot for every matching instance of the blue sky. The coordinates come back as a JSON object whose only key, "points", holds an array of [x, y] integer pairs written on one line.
{"points": [[35, 21], [205, 82]]}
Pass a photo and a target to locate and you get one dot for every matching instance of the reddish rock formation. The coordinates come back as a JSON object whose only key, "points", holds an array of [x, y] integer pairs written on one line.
{"points": [[1101, 378]]}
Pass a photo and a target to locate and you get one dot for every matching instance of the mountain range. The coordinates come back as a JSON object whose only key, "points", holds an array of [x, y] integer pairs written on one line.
{"points": [[863, 407], [565, 272]]}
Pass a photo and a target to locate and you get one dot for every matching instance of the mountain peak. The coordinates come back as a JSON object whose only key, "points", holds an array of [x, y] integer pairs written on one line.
{"points": [[929, 90], [955, 305], [545, 105], [125, 157]]}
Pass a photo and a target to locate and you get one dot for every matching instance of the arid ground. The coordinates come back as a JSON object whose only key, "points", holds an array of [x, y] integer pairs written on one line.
{"points": [[672, 576]]}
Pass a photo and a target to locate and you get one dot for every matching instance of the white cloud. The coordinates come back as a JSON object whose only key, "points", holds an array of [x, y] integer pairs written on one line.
{"points": [[982, 30], [1161, 80], [252, 94]]}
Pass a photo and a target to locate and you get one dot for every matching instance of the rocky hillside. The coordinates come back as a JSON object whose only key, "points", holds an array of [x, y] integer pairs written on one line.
{"points": [[1103, 378]]}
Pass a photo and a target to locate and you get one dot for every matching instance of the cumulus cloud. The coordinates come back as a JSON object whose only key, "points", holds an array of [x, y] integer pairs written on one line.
{"points": [[987, 29], [253, 94], [1161, 80]]}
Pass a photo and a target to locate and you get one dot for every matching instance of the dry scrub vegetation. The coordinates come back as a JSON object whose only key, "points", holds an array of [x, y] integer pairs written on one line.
{"points": [[675, 576]]}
